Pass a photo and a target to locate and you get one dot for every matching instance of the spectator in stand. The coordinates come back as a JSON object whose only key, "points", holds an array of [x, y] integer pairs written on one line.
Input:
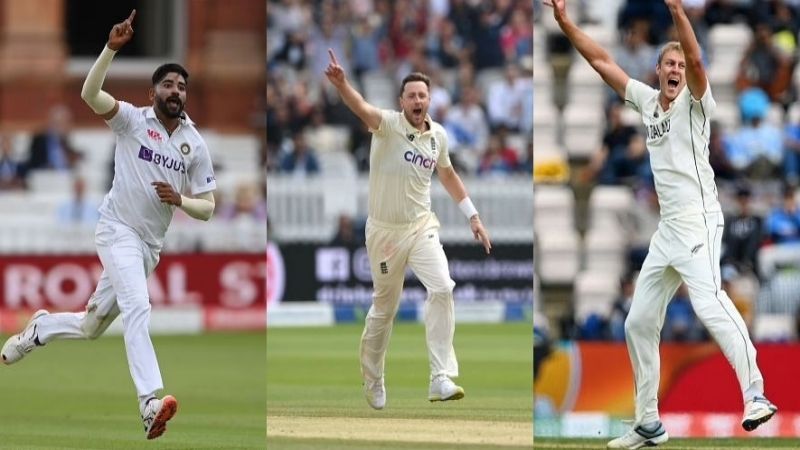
{"points": [[248, 204], [366, 40], [12, 170], [791, 153], [681, 323], [718, 154], [742, 235], [636, 56], [80, 209], [467, 129], [486, 37], [620, 308], [447, 48], [294, 52], [756, 148], [300, 160], [765, 66], [505, 99], [616, 139], [516, 37], [499, 159], [347, 233], [50, 148], [782, 225]]}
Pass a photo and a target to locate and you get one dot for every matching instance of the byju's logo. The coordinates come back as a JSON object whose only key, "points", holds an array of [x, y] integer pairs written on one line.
{"points": [[417, 159], [145, 154], [158, 159]]}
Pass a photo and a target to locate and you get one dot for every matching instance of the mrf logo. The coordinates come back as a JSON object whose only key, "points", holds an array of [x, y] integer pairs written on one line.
{"points": [[155, 135]]}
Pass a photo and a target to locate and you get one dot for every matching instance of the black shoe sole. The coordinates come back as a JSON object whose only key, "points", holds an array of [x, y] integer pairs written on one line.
{"points": [[750, 425]]}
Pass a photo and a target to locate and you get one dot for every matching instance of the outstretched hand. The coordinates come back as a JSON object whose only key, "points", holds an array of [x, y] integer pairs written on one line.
{"points": [[121, 33], [334, 71], [559, 8], [480, 233]]}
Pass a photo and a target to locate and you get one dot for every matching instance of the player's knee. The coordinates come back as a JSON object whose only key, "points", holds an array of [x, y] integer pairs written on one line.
{"points": [[636, 325], [92, 327], [442, 292]]}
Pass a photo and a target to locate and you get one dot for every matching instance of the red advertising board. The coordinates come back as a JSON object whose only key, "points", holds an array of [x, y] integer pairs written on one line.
{"points": [[230, 287]]}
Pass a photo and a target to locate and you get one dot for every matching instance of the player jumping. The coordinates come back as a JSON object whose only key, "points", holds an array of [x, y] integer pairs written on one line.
{"points": [[686, 246]]}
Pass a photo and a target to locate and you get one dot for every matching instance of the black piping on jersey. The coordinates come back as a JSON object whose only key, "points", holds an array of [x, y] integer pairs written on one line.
{"points": [[694, 154], [718, 288]]}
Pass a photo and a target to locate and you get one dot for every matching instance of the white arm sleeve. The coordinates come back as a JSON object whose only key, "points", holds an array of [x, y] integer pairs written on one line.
{"points": [[200, 207], [101, 102]]}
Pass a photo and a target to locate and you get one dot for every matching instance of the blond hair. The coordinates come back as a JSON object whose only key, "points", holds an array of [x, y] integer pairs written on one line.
{"points": [[668, 47]]}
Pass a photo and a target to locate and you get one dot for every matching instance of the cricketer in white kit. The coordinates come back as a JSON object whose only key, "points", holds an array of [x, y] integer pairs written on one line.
{"points": [[686, 245], [407, 146], [159, 155]]}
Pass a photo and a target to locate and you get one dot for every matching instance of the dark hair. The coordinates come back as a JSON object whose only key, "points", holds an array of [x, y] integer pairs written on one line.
{"points": [[165, 69], [415, 76]]}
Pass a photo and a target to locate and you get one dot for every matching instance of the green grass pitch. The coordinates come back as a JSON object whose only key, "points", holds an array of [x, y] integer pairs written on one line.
{"points": [[675, 444], [79, 395], [313, 374]]}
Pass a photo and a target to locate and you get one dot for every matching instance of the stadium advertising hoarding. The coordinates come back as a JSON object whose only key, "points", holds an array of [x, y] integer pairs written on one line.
{"points": [[340, 276], [227, 289], [587, 383]]}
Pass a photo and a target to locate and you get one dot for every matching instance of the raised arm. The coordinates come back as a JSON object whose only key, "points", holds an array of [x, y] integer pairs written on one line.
{"points": [[369, 114], [696, 78], [594, 54], [101, 102]]}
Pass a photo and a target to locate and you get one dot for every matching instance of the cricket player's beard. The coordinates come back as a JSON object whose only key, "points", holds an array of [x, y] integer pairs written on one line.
{"points": [[168, 108]]}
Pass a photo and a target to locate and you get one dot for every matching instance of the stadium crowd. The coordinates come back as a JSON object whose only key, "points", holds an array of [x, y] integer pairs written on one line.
{"points": [[478, 55], [756, 161]]}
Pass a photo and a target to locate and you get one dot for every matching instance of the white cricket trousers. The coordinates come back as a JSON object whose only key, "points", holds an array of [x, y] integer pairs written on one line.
{"points": [[390, 249], [685, 249], [122, 289]]}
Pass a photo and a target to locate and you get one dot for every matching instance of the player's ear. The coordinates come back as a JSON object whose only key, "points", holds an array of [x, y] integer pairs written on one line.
{"points": [[151, 93]]}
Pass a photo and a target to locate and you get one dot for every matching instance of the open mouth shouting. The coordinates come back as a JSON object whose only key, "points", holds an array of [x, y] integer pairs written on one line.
{"points": [[673, 82]]}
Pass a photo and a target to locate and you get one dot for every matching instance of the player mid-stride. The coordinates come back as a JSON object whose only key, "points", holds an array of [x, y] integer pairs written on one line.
{"points": [[686, 246], [159, 155], [403, 231]]}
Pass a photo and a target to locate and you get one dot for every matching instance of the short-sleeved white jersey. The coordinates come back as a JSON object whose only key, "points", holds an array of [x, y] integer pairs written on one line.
{"points": [[145, 153], [677, 141], [402, 160]]}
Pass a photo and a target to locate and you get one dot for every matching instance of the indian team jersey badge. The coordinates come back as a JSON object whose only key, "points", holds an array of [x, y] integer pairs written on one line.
{"points": [[185, 149]]}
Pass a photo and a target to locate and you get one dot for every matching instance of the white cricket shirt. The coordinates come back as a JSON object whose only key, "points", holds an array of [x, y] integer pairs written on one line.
{"points": [[145, 153], [677, 140], [402, 160]]}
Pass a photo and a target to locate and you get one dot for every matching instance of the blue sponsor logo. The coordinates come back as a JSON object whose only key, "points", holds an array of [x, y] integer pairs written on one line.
{"points": [[145, 153], [210, 179], [158, 159]]}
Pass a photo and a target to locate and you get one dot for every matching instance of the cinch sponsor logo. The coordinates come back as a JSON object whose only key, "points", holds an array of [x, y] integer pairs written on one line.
{"points": [[210, 179], [416, 158], [158, 159]]}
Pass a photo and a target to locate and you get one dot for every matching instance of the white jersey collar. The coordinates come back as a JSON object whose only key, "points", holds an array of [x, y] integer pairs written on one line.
{"points": [[150, 113]]}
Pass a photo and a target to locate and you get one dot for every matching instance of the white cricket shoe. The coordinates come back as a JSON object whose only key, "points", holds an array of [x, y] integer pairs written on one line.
{"points": [[757, 411], [375, 392], [641, 436], [443, 389], [19, 345], [157, 413]]}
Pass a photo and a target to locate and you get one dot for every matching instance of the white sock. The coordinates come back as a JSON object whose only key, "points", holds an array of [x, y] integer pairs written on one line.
{"points": [[755, 390]]}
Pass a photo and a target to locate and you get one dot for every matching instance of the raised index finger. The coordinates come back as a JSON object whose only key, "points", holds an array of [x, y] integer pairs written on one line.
{"points": [[333, 56], [130, 18]]}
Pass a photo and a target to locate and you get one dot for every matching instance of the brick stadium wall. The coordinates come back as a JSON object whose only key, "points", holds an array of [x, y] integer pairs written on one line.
{"points": [[226, 56]]}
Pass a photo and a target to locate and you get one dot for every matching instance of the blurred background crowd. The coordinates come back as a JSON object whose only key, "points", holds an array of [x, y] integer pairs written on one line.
{"points": [[591, 157]]}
